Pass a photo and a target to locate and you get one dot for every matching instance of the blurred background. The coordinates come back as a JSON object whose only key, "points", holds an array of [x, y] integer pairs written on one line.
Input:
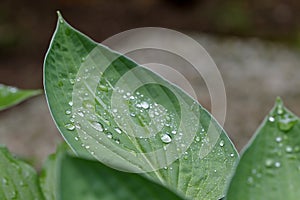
{"points": [[254, 43]]}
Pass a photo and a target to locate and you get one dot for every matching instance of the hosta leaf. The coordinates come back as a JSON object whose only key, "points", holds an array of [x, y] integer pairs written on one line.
{"points": [[270, 166], [97, 182], [10, 96], [94, 180], [108, 107], [18, 179]]}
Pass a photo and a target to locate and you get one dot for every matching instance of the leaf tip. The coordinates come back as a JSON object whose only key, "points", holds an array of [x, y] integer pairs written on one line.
{"points": [[60, 18], [279, 101]]}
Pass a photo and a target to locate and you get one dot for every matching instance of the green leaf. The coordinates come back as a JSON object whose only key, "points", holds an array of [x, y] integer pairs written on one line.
{"points": [[10, 96], [108, 107], [269, 167], [18, 179], [49, 177], [94, 180], [97, 182]]}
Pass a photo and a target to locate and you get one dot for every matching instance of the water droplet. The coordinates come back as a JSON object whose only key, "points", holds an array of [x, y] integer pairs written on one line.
{"points": [[76, 138], [287, 122], [103, 88], [117, 141], [68, 112], [114, 110], [250, 180], [97, 125], [232, 155], [269, 163], [118, 130], [278, 139], [4, 181], [289, 149], [271, 119], [197, 139], [221, 143], [277, 164], [81, 114], [70, 103], [166, 138], [144, 105], [109, 135], [21, 183], [70, 127], [72, 81], [87, 147], [132, 114], [173, 132]]}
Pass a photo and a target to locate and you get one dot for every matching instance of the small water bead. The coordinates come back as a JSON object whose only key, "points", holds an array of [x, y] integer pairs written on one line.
{"points": [[166, 138], [131, 97], [250, 180], [271, 119], [277, 164], [174, 132], [70, 103], [269, 163], [117, 141], [231, 155], [109, 135], [70, 127], [115, 110], [132, 114], [278, 139], [289, 149], [21, 183], [87, 147], [145, 105], [68, 112], [222, 143], [76, 138], [4, 181], [198, 139], [118, 130]]}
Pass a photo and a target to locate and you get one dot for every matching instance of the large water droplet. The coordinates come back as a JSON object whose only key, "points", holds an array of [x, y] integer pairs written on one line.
{"points": [[103, 88], [97, 125], [166, 138], [287, 122], [118, 130], [70, 127]]}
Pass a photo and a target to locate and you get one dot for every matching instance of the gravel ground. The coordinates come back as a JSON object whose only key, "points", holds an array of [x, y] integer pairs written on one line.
{"points": [[254, 73]]}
